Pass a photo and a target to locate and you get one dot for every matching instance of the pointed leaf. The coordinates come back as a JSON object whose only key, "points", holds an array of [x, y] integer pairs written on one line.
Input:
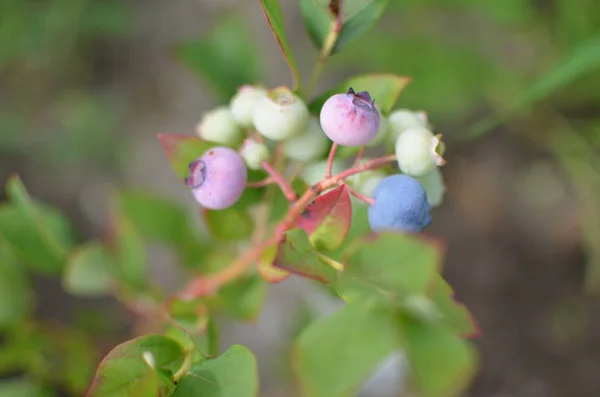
{"points": [[129, 369], [453, 313], [274, 15], [335, 355], [232, 374], [394, 264], [90, 271], [441, 363], [225, 59], [181, 150], [297, 255], [332, 232], [230, 224], [383, 88]]}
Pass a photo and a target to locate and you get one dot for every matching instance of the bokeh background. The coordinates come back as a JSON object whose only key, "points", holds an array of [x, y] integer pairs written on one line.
{"points": [[85, 86]]}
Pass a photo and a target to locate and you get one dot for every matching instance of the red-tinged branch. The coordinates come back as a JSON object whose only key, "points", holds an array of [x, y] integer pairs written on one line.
{"points": [[362, 197], [286, 188], [265, 182], [359, 157], [330, 160], [209, 284]]}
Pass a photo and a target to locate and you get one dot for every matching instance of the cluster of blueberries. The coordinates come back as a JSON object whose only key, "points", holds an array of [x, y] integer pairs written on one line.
{"points": [[400, 202]]}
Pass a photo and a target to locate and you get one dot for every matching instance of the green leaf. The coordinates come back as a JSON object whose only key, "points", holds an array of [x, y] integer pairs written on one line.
{"points": [[454, 315], [335, 355], [232, 374], [90, 271], [15, 292], [181, 150], [130, 253], [441, 363], [23, 388], [297, 255], [395, 264], [274, 15], [191, 318], [583, 60], [359, 16], [332, 232], [226, 59], [266, 269], [383, 88], [280, 205], [131, 368], [230, 224], [244, 297]]}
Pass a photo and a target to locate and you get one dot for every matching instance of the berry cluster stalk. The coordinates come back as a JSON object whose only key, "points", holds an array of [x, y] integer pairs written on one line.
{"points": [[207, 285]]}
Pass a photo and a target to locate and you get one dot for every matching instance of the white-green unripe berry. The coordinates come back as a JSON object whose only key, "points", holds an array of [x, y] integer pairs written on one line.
{"points": [[219, 126], [254, 153], [308, 146], [402, 119], [280, 114], [313, 173], [366, 182], [433, 183], [382, 133], [419, 151], [243, 103]]}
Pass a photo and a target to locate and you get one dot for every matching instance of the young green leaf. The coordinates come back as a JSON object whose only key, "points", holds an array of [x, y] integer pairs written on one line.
{"points": [[333, 230], [15, 292], [91, 270], [274, 15], [230, 224], [333, 356], [181, 150], [441, 363], [360, 23], [225, 59], [191, 320], [244, 297], [453, 314], [130, 253], [134, 366], [266, 269], [297, 255], [232, 374], [383, 88]]}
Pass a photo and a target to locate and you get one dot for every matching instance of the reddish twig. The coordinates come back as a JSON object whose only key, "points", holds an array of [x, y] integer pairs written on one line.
{"points": [[359, 156], [262, 183], [285, 187], [330, 160], [362, 197]]}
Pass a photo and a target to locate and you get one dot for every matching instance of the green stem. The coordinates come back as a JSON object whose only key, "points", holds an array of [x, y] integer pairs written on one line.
{"points": [[328, 44]]}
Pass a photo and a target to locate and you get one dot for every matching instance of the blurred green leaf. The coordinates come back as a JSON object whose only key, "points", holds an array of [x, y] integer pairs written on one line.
{"points": [[130, 253], [441, 363], [191, 318], [252, 196], [333, 356], [280, 205], [181, 150], [317, 21], [274, 15], [244, 297], [266, 269], [15, 292], [394, 264], [131, 367], [360, 23], [226, 59], [581, 61], [454, 315], [90, 270], [297, 255], [230, 224], [383, 88], [232, 374], [23, 388]]}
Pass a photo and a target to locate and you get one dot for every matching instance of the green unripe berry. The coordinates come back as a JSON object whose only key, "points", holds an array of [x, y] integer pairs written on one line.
{"points": [[433, 183], [310, 145], [401, 120], [219, 126], [243, 103], [254, 153], [280, 114], [417, 151]]}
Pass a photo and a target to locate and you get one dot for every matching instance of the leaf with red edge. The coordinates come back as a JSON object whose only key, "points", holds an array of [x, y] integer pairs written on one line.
{"points": [[266, 269], [327, 218], [274, 15], [181, 150], [297, 255], [454, 314]]}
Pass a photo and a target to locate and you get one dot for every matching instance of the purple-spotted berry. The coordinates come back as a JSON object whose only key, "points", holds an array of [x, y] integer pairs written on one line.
{"points": [[350, 119], [218, 178], [400, 204], [280, 114]]}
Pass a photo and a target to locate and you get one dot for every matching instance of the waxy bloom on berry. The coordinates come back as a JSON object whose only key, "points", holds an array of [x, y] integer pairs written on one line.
{"points": [[243, 103], [404, 119], [280, 114], [219, 126], [419, 151], [254, 153], [350, 119], [218, 178]]}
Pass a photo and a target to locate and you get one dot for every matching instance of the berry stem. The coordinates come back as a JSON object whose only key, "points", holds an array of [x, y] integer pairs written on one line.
{"points": [[362, 197], [284, 185], [334, 32], [262, 183], [208, 284], [330, 160], [359, 156]]}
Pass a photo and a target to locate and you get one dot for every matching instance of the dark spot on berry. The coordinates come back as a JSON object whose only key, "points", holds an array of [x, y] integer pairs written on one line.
{"points": [[211, 153], [197, 174]]}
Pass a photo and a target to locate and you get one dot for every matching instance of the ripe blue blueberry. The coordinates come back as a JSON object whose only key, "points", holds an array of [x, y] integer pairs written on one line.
{"points": [[218, 178], [350, 119], [400, 204]]}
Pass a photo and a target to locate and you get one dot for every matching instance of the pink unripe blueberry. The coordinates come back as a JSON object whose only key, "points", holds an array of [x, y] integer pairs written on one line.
{"points": [[218, 178], [350, 119]]}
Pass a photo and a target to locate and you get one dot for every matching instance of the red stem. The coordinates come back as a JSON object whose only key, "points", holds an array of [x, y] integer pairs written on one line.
{"points": [[359, 156], [263, 183], [330, 160], [362, 197], [284, 185]]}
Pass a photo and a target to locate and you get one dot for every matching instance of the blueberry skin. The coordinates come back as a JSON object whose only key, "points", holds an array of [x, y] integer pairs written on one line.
{"points": [[218, 178], [400, 204]]}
